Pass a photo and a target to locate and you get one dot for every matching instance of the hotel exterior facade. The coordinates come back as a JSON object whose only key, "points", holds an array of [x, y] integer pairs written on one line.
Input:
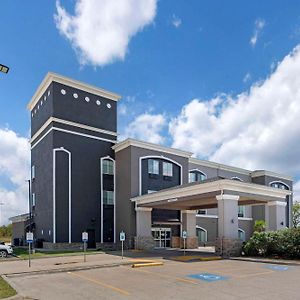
{"points": [[83, 179]]}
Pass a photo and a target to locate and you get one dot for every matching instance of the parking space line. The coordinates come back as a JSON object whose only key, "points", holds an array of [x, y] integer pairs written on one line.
{"points": [[167, 276], [253, 274], [103, 284]]}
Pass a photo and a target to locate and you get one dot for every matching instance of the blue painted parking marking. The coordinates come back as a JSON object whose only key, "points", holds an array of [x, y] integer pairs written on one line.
{"points": [[207, 277], [277, 267]]}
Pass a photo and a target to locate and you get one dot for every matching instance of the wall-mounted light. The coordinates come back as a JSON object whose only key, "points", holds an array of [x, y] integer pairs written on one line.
{"points": [[4, 69], [232, 221], [281, 223]]}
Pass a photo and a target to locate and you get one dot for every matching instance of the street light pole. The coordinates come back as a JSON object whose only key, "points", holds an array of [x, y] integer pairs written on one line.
{"points": [[29, 203]]}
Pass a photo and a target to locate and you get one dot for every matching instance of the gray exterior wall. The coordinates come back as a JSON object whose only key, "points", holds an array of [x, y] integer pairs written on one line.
{"points": [[86, 153]]}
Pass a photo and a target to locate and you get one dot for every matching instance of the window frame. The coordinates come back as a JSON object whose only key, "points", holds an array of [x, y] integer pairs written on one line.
{"points": [[108, 166], [107, 200], [153, 166], [167, 169]]}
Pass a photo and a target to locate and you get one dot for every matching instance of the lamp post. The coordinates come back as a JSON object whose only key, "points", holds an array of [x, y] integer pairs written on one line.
{"points": [[29, 203], [1, 204], [4, 69]]}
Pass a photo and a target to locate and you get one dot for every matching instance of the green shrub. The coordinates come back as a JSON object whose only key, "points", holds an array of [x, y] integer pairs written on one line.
{"points": [[284, 243]]}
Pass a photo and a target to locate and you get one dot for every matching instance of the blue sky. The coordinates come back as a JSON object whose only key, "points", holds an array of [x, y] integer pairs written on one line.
{"points": [[178, 61]]}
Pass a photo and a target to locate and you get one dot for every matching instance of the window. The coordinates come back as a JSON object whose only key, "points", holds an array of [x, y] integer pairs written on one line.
{"points": [[151, 191], [241, 235], [108, 167], [192, 177], [153, 166], [241, 211], [202, 212], [32, 172], [108, 197], [33, 199], [279, 185], [202, 235], [196, 176], [167, 169]]}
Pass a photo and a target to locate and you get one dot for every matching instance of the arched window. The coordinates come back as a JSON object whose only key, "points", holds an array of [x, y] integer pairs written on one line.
{"points": [[201, 234], [236, 178], [241, 234], [196, 175], [279, 185]]}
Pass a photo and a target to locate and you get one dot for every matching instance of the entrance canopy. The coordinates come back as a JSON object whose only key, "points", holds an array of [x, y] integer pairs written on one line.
{"points": [[202, 195]]}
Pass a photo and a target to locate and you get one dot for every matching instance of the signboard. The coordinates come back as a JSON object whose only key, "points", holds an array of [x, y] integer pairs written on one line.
{"points": [[122, 236], [29, 237], [85, 236], [184, 234]]}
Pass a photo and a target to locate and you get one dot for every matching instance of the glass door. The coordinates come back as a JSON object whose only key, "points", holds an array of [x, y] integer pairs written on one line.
{"points": [[162, 237]]}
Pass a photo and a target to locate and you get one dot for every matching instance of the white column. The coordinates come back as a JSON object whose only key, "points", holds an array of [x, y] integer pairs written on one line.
{"points": [[276, 215], [143, 221], [189, 222], [228, 216]]}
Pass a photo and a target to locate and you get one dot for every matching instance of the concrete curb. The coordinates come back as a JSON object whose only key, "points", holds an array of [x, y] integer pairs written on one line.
{"points": [[267, 261], [62, 270]]}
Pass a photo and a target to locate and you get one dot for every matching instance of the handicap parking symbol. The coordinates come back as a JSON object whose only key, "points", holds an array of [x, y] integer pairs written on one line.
{"points": [[277, 267], [207, 277]]}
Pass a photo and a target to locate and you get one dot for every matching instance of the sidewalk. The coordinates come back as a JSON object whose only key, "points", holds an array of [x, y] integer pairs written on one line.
{"points": [[63, 264], [276, 261]]}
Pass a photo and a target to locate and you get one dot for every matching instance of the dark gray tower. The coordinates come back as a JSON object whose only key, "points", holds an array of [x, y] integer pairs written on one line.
{"points": [[73, 127]]}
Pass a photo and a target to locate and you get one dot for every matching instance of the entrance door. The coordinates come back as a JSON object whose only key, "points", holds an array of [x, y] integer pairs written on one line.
{"points": [[92, 240], [162, 237]]}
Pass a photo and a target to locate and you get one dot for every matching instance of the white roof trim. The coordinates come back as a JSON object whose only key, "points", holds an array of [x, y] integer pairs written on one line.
{"points": [[50, 77], [212, 164], [259, 173], [136, 143], [213, 186]]}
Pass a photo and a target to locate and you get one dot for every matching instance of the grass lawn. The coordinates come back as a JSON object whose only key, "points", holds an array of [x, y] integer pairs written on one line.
{"points": [[23, 253], [5, 289]]}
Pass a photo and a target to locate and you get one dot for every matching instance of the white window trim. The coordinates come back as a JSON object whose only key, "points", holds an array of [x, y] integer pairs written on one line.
{"points": [[167, 163], [159, 157], [154, 160], [198, 170], [278, 181], [54, 192], [101, 172], [199, 227], [237, 178]]}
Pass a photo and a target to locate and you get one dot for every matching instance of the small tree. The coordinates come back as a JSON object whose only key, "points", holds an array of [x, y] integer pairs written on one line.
{"points": [[259, 225], [296, 214]]}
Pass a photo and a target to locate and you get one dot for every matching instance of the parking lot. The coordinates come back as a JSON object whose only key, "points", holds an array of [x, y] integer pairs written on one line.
{"points": [[223, 279]]}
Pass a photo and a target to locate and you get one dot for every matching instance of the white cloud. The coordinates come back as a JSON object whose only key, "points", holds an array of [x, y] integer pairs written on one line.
{"points": [[256, 129], [259, 24], [100, 30], [147, 127], [296, 191], [14, 170], [176, 22], [247, 77]]}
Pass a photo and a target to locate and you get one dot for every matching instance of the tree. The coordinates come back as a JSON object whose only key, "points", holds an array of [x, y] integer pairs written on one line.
{"points": [[259, 225], [296, 215]]}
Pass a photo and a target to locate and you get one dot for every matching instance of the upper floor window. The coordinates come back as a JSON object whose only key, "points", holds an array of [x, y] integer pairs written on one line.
{"points": [[153, 166], [196, 176], [108, 197], [167, 169], [33, 199], [236, 178], [108, 167], [32, 172], [241, 211], [279, 185]]}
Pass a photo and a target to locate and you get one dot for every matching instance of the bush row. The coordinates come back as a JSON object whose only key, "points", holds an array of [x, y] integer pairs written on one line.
{"points": [[283, 243]]}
